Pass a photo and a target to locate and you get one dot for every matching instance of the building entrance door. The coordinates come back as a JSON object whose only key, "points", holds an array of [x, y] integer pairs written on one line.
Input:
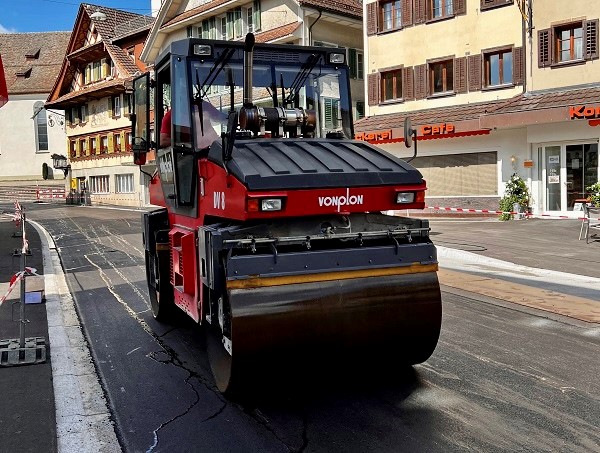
{"points": [[566, 172]]}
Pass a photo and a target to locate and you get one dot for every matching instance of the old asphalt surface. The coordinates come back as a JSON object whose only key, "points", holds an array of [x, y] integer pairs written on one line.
{"points": [[535, 264]]}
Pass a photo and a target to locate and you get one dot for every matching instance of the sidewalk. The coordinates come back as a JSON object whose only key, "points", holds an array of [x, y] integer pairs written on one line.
{"points": [[538, 263]]}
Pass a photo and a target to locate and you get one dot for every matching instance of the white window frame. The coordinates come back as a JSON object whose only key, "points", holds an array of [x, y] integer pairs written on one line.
{"points": [[124, 183], [116, 104]]}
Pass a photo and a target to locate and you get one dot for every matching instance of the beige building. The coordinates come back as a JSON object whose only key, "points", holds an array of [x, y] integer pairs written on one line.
{"points": [[29, 134], [488, 96], [304, 22], [93, 87]]}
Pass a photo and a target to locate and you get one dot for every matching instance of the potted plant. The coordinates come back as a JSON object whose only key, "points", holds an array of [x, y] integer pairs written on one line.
{"points": [[516, 197], [594, 194]]}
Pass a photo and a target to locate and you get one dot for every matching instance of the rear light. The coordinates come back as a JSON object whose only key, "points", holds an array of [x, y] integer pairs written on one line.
{"points": [[410, 197], [405, 197], [264, 204]]}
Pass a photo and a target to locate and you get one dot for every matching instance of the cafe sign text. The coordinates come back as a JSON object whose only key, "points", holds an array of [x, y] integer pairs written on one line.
{"points": [[374, 135], [438, 129], [584, 112]]}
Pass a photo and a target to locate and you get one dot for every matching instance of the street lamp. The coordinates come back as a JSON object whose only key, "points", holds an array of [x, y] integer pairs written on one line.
{"points": [[59, 162]]}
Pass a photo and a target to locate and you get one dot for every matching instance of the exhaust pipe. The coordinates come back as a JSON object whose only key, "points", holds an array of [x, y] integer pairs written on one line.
{"points": [[248, 57]]}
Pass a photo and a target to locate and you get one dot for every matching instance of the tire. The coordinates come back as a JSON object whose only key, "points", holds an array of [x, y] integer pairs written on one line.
{"points": [[160, 292]]}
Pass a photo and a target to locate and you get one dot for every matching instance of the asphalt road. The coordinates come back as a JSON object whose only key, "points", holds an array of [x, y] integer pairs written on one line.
{"points": [[501, 379]]}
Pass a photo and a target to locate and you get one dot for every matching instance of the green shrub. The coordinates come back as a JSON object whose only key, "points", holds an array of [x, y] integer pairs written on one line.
{"points": [[594, 194], [516, 192]]}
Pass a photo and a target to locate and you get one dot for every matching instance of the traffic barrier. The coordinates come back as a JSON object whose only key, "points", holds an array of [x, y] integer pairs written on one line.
{"points": [[49, 194], [16, 279]]}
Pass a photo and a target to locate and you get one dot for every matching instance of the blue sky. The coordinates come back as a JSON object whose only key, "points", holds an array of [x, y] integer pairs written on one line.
{"points": [[54, 15]]}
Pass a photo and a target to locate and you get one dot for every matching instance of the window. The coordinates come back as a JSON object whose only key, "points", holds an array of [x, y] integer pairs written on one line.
{"points": [[332, 113], [439, 9], [83, 147], [209, 28], [488, 4], [83, 113], [75, 115], [391, 85], [238, 25], [391, 15], [569, 42], [41, 126], [355, 63], [117, 142], [441, 77], [124, 183], [360, 110], [73, 148], [96, 68], [116, 106], [100, 184], [565, 43], [104, 144], [222, 27], [249, 19], [498, 68], [128, 142], [93, 149], [131, 53]]}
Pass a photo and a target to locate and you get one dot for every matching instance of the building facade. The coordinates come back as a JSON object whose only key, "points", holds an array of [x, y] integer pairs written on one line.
{"points": [[30, 134], [489, 95], [94, 88], [303, 22]]}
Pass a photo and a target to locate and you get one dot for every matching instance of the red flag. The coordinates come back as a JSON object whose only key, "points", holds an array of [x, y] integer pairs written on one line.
{"points": [[3, 88]]}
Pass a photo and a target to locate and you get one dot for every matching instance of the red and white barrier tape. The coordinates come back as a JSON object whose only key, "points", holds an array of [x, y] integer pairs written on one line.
{"points": [[490, 211], [45, 194], [16, 279]]}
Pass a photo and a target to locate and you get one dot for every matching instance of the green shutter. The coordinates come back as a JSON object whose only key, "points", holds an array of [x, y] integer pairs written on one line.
{"points": [[189, 31], [205, 29], [352, 63], [328, 113], [256, 13], [238, 22]]}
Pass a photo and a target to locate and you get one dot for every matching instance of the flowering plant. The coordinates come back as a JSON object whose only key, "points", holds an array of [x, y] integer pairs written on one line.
{"points": [[516, 192]]}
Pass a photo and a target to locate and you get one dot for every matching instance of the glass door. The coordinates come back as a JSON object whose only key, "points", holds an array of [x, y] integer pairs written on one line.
{"points": [[552, 178], [582, 171]]}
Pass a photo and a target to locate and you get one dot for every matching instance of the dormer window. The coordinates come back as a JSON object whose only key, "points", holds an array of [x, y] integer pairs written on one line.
{"points": [[23, 73], [33, 54]]}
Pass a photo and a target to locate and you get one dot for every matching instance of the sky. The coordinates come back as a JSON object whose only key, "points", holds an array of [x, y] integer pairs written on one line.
{"points": [[19, 16]]}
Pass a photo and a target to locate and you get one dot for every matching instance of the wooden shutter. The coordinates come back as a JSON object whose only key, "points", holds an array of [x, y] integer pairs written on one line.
{"points": [[420, 81], [460, 7], [544, 48], [373, 88], [407, 13], [420, 12], [408, 84], [372, 14], [474, 70], [518, 64], [591, 38], [460, 75], [110, 108]]}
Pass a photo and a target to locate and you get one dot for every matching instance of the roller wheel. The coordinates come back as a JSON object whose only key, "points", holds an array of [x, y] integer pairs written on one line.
{"points": [[221, 362], [161, 292]]}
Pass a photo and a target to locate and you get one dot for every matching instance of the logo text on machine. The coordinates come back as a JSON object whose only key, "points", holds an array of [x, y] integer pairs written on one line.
{"points": [[341, 200]]}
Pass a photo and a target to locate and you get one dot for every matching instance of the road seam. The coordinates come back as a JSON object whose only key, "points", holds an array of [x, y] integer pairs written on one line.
{"points": [[83, 421]]}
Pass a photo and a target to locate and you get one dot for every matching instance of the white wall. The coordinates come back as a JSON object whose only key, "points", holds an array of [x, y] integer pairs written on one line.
{"points": [[18, 157]]}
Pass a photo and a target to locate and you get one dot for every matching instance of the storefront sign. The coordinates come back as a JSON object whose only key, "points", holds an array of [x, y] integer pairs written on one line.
{"points": [[527, 163], [584, 112], [373, 135], [438, 129]]}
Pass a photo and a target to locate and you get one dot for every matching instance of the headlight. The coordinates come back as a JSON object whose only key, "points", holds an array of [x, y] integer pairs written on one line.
{"points": [[271, 204], [337, 58], [202, 49], [405, 197]]}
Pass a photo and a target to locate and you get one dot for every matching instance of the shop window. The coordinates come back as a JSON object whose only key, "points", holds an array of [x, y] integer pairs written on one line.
{"points": [[391, 85], [441, 77], [467, 174], [124, 183], [391, 15], [567, 43], [498, 68], [489, 4], [100, 184], [439, 9]]}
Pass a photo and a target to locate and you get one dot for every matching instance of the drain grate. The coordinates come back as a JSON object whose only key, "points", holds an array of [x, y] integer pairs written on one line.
{"points": [[12, 355]]}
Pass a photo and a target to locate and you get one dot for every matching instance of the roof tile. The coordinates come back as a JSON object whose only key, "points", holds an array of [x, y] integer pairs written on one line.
{"points": [[351, 8]]}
